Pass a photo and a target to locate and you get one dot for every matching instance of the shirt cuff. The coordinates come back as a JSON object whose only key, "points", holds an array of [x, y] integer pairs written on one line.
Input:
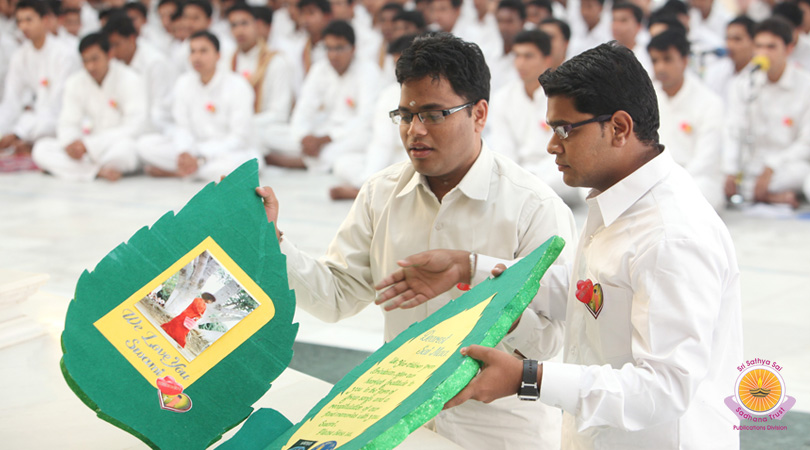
{"points": [[560, 385], [484, 266]]}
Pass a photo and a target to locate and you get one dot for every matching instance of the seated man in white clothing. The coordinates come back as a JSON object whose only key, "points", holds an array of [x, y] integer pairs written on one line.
{"points": [[768, 147], [722, 73], [626, 27], [597, 30], [267, 71], [212, 112], [518, 115], [331, 117], [511, 17], [155, 69], [691, 115], [454, 192], [103, 111], [385, 147], [35, 80]]}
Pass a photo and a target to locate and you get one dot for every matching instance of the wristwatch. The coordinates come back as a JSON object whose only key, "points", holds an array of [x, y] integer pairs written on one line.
{"points": [[528, 386]]}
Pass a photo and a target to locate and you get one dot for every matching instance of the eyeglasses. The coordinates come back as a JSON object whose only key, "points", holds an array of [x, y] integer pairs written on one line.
{"points": [[562, 130], [431, 117]]}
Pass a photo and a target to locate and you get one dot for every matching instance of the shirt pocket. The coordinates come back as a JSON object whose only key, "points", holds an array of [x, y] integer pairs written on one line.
{"points": [[615, 327]]}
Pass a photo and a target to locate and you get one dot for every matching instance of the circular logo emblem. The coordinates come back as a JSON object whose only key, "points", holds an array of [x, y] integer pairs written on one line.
{"points": [[760, 390]]}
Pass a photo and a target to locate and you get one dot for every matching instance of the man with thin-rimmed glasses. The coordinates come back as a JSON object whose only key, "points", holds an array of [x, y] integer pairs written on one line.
{"points": [[453, 193]]}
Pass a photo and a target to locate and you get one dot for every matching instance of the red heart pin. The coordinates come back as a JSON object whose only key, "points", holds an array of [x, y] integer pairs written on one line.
{"points": [[584, 291], [169, 386]]}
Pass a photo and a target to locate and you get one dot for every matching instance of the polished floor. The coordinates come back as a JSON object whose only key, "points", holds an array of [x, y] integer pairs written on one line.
{"points": [[61, 229]]}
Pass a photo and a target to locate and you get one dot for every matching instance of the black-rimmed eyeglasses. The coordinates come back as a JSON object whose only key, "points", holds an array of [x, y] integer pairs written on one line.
{"points": [[562, 130], [431, 117]]}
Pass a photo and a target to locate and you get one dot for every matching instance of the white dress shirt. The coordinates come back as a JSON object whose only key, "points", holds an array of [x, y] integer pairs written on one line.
{"points": [[277, 88], [779, 123], [160, 78], [38, 74], [651, 370], [519, 130], [692, 131], [106, 118], [498, 208]]}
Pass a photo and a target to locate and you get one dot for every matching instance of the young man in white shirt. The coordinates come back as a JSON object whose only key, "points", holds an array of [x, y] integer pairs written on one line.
{"points": [[511, 18], [267, 71], [103, 111], [212, 112], [596, 28], [155, 69], [35, 81], [723, 73], [652, 300], [767, 150], [518, 115], [626, 28], [691, 115], [454, 192], [331, 117]]}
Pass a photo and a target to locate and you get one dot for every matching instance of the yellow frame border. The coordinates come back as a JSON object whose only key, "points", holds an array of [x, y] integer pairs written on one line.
{"points": [[125, 327]]}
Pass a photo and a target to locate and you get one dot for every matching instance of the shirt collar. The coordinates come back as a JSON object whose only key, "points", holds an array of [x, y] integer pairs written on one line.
{"points": [[475, 183], [786, 81], [621, 196]]}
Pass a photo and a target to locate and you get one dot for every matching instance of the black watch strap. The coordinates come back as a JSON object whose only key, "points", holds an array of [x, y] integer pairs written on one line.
{"points": [[528, 386]]}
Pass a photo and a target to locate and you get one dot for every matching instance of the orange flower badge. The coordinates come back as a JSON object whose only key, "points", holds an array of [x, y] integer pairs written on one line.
{"points": [[246, 74], [788, 121], [44, 82], [350, 102], [113, 103], [686, 128], [544, 126], [210, 107]]}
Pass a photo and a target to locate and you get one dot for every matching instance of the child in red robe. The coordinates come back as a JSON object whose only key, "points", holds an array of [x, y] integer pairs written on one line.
{"points": [[179, 327]]}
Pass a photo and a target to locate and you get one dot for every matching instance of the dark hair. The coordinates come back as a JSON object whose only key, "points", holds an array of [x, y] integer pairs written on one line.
{"points": [[675, 7], [515, 5], [456, 3], [340, 28], [208, 296], [178, 13], [241, 6], [414, 17], [536, 37], [667, 18], [789, 11], [263, 13], [204, 5], [176, 3], [543, 4], [601, 2], [565, 29], [66, 11], [606, 79], [638, 14], [121, 25], [323, 5], [94, 39], [746, 22], [136, 6], [207, 35], [439, 54], [391, 6], [399, 44], [670, 38], [54, 7], [41, 8], [109, 12], [778, 26]]}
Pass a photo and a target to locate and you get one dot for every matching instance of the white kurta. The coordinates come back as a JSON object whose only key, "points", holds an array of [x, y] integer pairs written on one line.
{"points": [[212, 123], [338, 106], [106, 118], [160, 77], [692, 130], [39, 75], [497, 208], [519, 130], [779, 123], [276, 94], [385, 147], [651, 370]]}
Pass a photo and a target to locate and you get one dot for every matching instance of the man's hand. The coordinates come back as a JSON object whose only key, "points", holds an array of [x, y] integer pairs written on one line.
{"points": [[186, 164], [731, 186], [8, 140], [76, 149], [500, 376], [312, 145], [270, 206], [422, 277], [761, 188]]}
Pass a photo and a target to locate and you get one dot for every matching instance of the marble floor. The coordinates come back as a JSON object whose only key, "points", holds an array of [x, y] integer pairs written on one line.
{"points": [[61, 229]]}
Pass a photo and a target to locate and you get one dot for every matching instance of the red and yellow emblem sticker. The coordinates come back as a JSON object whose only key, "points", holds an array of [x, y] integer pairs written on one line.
{"points": [[591, 296]]}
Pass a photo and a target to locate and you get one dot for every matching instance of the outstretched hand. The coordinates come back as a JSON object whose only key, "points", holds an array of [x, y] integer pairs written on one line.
{"points": [[500, 376], [423, 276], [270, 206]]}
